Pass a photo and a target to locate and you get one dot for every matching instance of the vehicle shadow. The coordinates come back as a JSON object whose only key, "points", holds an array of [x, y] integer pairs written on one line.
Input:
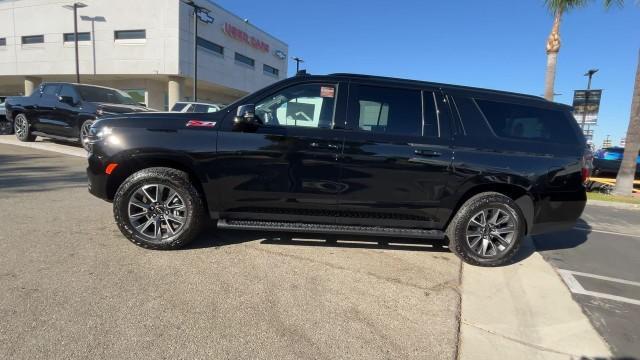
{"points": [[564, 239], [212, 237], [41, 175]]}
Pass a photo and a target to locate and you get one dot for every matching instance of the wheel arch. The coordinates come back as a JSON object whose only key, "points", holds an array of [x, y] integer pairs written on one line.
{"points": [[518, 194], [133, 164]]}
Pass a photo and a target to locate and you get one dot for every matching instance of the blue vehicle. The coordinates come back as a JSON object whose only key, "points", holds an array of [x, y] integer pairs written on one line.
{"points": [[607, 161]]}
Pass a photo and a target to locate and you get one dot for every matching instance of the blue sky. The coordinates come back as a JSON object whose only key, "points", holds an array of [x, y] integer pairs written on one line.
{"points": [[494, 44]]}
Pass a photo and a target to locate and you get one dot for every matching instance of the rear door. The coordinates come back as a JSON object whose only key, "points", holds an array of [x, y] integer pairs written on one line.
{"points": [[396, 157], [287, 169]]}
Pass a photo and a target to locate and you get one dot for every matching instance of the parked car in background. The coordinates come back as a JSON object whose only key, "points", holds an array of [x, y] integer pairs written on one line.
{"points": [[195, 107], [606, 162], [5, 126], [348, 154], [65, 111]]}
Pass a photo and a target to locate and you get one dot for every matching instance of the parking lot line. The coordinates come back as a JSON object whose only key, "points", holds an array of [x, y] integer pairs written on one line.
{"points": [[605, 232], [576, 288]]}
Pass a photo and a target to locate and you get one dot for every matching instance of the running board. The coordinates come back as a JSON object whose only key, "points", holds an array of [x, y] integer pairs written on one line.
{"points": [[55, 137], [328, 229]]}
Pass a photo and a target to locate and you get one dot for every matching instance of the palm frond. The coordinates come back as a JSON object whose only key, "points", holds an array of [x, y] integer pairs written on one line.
{"points": [[566, 5]]}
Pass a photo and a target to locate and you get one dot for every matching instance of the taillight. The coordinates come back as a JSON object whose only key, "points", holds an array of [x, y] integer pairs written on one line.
{"points": [[587, 160]]}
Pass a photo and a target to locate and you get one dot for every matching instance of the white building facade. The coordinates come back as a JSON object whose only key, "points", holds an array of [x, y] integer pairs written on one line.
{"points": [[144, 47]]}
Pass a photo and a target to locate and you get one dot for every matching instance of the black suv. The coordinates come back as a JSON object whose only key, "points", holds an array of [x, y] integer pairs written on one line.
{"points": [[348, 154], [65, 111]]}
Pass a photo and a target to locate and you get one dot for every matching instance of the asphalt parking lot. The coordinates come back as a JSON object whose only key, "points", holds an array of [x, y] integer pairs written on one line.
{"points": [[72, 287], [600, 263]]}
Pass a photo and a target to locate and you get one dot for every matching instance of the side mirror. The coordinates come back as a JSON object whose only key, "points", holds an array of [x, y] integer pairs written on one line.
{"points": [[245, 119], [69, 100], [142, 104]]}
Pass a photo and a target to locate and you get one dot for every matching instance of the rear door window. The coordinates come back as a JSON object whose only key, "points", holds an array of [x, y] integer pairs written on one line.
{"points": [[386, 110], [527, 122]]}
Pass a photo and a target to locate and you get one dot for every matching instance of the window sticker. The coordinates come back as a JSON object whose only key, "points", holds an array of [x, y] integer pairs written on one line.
{"points": [[327, 91]]}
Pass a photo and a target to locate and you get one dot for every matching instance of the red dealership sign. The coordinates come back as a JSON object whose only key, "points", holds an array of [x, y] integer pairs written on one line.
{"points": [[240, 35]]}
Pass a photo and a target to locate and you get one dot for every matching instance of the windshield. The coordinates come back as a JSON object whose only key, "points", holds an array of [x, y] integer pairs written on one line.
{"points": [[104, 95]]}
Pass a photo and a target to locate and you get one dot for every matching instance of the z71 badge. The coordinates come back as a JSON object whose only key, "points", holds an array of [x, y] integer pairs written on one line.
{"points": [[198, 123]]}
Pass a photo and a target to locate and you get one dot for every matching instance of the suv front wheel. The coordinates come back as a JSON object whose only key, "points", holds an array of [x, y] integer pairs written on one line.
{"points": [[159, 208], [487, 230]]}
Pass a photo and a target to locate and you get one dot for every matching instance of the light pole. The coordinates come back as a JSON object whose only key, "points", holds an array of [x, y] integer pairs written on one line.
{"points": [[75, 6], [298, 61], [202, 13], [93, 34], [589, 73]]}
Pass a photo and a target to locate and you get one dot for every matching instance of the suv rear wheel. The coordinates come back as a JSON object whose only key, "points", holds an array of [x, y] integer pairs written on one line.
{"points": [[159, 208], [22, 128], [487, 230]]}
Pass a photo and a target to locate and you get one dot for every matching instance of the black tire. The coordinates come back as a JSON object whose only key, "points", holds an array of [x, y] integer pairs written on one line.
{"points": [[194, 218], [457, 229], [22, 128], [6, 127], [83, 132]]}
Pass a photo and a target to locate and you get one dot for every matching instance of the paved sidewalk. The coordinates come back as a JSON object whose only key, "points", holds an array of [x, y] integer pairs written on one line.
{"points": [[46, 144], [523, 311]]}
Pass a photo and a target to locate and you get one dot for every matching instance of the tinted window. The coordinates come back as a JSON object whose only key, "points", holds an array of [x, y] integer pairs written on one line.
{"points": [[82, 36], [270, 70], [178, 106], [104, 95], [3, 41], [308, 105], [67, 90], [245, 60], [50, 89], [211, 46], [33, 39], [527, 122], [386, 110], [200, 108], [129, 34]]}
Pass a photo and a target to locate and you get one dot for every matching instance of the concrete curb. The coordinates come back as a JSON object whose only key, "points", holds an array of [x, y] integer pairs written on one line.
{"points": [[523, 311], [39, 144], [613, 204]]}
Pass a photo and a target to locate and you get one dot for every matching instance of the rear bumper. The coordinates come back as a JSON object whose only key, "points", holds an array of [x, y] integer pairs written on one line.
{"points": [[559, 211]]}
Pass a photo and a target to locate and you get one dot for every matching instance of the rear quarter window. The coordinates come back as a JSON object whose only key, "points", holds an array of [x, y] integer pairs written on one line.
{"points": [[524, 122]]}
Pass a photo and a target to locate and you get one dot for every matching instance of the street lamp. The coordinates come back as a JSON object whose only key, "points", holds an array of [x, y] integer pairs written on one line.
{"points": [[93, 20], [201, 13], [589, 73], [75, 6]]}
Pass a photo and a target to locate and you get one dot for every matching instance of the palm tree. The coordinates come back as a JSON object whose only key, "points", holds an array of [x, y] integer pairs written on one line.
{"points": [[558, 8], [624, 180]]}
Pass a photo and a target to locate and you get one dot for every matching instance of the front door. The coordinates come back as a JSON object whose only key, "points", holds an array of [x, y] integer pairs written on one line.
{"points": [[287, 169], [396, 158]]}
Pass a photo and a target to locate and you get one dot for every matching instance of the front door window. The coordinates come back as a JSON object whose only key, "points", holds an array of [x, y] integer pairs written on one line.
{"points": [[304, 105]]}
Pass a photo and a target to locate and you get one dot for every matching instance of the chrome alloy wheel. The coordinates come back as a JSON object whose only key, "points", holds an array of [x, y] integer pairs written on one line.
{"points": [[157, 211], [21, 126], [490, 232]]}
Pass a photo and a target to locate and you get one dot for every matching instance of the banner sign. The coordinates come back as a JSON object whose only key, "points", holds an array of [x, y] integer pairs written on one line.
{"points": [[586, 105]]}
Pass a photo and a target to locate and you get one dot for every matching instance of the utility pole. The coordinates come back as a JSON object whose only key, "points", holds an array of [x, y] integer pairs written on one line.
{"points": [[197, 10], [75, 7], [298, 61]]}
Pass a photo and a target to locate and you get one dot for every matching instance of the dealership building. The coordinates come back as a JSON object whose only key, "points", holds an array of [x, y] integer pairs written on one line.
{"points": [[144, 47]]}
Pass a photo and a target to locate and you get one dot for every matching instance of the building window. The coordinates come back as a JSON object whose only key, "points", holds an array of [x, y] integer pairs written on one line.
{"points": [[3, 41], [270, 70], [130, 34], [82, 36], [32, 39], [211, 46], [245, 60]]}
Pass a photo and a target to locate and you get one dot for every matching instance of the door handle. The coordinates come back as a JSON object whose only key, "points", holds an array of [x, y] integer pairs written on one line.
{"points": [[429, 153]]}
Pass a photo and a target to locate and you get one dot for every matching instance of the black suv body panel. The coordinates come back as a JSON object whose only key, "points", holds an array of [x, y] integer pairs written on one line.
{"points": [[341, 174]]}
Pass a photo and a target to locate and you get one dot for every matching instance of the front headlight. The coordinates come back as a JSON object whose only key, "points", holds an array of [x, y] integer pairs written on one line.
{"points": [[104, 132]]}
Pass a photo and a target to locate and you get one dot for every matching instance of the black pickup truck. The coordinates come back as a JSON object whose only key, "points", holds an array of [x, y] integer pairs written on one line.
{"points": [[65, 111], [348, 154]]}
